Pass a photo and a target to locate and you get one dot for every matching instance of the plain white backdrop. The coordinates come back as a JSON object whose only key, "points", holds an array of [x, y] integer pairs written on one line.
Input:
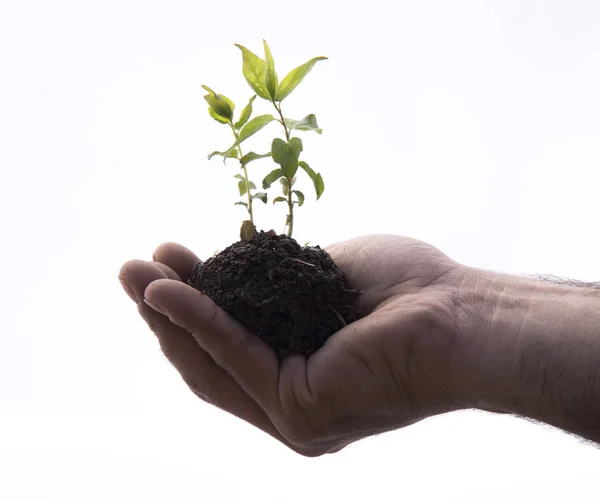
{"points": [[470, 124]]}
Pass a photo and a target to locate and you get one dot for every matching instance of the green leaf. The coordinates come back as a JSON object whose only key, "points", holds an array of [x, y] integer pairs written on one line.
{"points": [[279, 198], [221, 105], [294, 77], [255, 71], [319, 185], [252, 127], [270, 74], [300, 196], [251, 156], [246, 113], [232, 153], [241, 203], [261, 196], [309, 122], [285, 186], [271, 178], [314, 177], [220, 119], [286, 155], [242, 184]]}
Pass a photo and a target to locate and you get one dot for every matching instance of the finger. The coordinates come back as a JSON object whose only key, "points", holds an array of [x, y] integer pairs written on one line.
{"points": [[178, 258], [168, 271], [136, 275], [203, 376], [211, 383], [250, 362]]}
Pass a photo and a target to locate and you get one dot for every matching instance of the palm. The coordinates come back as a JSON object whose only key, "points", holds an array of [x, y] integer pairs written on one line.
{"points": [[378, 356]]}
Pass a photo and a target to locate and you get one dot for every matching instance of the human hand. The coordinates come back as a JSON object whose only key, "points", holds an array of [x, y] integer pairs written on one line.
{"points": [[404, 361]]}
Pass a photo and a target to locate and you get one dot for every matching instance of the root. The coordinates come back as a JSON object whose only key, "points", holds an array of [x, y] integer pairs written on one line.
{"points": [[339, 316], [303, 262]]}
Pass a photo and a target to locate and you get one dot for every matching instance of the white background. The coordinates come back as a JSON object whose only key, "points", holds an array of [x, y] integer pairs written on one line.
{"points": [[472, 125]]}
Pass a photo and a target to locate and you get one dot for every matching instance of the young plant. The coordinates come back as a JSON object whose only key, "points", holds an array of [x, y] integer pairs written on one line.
{"points": [[293, 297], [263, 79], [221, 109]]}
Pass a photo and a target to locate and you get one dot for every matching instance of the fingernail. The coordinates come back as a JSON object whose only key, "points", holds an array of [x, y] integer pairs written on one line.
{"points": [[128, 290], [154, 306]]}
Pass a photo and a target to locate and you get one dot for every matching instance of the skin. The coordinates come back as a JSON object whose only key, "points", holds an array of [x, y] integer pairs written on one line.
{"points": [[438, 337]]}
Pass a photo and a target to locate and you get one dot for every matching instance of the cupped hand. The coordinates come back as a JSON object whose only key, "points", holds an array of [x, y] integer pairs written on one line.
{"points": [[404, 361]]}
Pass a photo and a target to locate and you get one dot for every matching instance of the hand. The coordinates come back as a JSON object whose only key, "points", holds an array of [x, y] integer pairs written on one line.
{"points": [[404, 361]]}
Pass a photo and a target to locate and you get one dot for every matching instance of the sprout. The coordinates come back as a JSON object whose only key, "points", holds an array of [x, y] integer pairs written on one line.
{"points": [[262, 78]]}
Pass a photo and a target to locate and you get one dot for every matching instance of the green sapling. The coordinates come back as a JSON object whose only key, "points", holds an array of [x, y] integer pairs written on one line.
{"points": [[262, 78]]}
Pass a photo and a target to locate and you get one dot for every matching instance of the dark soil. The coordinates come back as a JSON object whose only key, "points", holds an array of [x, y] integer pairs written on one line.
{"points": [[294, 298]]}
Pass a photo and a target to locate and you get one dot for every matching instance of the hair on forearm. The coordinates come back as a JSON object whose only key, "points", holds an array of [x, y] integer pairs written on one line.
{"points": [[559, 280], [567, 371]]}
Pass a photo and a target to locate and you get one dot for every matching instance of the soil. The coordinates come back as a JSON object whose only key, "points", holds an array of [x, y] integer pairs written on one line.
{"points": [[293, 297]]}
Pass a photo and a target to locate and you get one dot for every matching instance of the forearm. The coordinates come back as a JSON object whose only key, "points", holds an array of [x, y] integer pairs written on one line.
{"points": [[539, 349]]}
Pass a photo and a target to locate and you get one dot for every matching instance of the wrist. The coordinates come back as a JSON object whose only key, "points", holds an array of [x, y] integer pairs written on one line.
{"points": [[492, 311], [535, 348]]}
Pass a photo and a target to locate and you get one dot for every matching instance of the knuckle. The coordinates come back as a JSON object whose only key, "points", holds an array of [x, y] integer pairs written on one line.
{"points": [[168, 349], [198, 388], [308, 452], [303, 421], [330, 446], [301, 433]]}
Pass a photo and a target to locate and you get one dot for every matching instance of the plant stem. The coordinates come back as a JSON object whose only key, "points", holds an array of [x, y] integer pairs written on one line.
{"points": [[290, 216], [282, 121], [239, 148]]}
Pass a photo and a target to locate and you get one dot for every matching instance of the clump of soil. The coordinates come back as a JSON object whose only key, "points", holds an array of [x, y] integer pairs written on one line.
{"points": [[292, 297]]}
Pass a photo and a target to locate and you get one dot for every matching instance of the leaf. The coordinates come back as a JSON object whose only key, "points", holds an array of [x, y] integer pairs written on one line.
{"points": [[246, 113], [271, 178], [254, 69], [286, 155], [319, 185], [261, 196], [309, 122], [294, 77], [232, 153], [300, 196], [279, 198], [270, 74], [251, 156], [285, 186], [314, 177], [247, 230], [221, 105], [252, 127], [242, 184], [241, 203], [220, 119], [304, 166]]}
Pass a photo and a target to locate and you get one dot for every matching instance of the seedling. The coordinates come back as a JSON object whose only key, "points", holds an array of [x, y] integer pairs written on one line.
{"points": [[293, 297], [263, 79]]}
